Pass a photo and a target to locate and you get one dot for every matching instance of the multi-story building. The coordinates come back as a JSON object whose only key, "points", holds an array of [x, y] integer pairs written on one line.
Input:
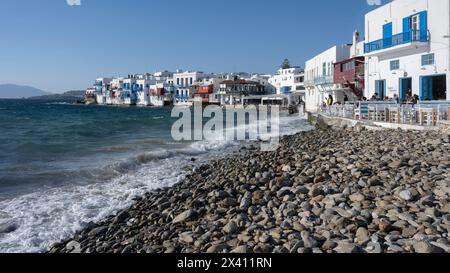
{"points": [[143, 89], [232, 91], [184, 82], [207, 90], [407, 50], [101, 87], [264, 80], [162, 76], [288, 80], [128, 94], [349, 73], [319, 76]]}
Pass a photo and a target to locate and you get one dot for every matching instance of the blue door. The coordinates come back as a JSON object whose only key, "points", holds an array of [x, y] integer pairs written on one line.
{"points": [[426, 88], [405, 86], [387, 35], [380, 88]]}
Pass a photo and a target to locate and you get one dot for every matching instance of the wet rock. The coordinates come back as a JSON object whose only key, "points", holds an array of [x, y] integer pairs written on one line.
{"points": [[121, 217], [73, 247], [97, 231]]}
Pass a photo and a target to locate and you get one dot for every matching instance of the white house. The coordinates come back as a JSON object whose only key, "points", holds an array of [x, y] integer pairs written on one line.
{"points": [[143, 90], [319, 76], [128, 94], [184, 81], [101, 87], [407, 50], [288, 80], [264, 80], [162, 76]]}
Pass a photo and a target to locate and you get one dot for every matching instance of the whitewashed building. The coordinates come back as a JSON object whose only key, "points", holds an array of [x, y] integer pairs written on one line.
{"points": [[319, 76], [143, 90], [288, 80], [407, 50], [162, 76], [184, 82], [128, 94], [101, 88], [264, 80], [116, 87]]}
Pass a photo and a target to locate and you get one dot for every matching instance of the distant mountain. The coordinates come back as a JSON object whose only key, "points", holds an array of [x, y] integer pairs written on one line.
{"points": [[13, 91], [73, 95]]}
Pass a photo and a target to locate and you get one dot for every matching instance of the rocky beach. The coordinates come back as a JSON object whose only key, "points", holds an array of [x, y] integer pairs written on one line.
{"points": [[324, 191]]}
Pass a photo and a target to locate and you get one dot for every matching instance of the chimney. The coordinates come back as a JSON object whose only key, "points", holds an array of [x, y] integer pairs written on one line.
{"points": [[354, 50], [355, 37]]}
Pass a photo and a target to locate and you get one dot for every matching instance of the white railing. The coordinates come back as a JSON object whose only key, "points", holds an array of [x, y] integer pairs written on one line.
{"points": [[424, 113]]}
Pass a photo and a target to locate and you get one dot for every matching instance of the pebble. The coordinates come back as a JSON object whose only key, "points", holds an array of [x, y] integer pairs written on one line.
{"points": [[184, 216], [334, 190], [426, 247], [231, 228], [406, 195]]}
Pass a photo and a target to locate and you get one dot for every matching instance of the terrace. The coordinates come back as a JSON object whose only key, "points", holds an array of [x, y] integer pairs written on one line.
{"points": [[424, 113]]}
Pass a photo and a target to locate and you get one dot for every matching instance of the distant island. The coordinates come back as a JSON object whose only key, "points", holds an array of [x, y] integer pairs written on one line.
{"points": [[14, 91], [73, 95]]}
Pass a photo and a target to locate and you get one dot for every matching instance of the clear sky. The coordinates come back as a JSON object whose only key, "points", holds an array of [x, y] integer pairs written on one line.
{"points": [[56, 47]]}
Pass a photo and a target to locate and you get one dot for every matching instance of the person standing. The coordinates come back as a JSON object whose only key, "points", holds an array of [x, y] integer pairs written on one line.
{"points": [[330, 100]]}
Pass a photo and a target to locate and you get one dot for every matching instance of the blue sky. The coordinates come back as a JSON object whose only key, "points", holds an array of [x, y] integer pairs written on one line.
{"points": [[56, 47]]}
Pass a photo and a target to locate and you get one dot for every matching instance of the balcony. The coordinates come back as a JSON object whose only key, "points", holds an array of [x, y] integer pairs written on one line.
{"points": [[405, 39], [320, 80]]}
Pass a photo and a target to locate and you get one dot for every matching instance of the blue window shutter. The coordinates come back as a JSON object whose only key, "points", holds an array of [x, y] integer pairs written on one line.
{"points": [[387, 35], [387, 30], [406, 24], [406, 29], [423, 25]]}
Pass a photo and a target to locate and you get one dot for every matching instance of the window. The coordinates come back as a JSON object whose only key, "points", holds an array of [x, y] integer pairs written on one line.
{"points": [[348, 66], [428, 59], [324, 69], [395, 65]]}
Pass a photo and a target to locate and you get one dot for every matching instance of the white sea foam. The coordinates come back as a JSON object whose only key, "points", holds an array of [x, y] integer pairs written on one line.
{"points": [[37, 220]]}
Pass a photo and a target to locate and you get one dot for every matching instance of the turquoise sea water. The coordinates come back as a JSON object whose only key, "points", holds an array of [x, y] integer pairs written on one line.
{"points": [[64, 165]]}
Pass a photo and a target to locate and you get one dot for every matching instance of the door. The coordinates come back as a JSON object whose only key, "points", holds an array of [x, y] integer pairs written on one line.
{"points": [[405, 87], [380, 88], [387, 35], [426, 88]]}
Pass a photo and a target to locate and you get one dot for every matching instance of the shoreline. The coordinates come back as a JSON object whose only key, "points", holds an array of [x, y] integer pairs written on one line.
{"points": [[323, 191]]}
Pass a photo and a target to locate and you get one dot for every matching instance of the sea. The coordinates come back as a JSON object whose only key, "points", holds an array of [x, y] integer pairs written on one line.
{"points": [[65, 165]]}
